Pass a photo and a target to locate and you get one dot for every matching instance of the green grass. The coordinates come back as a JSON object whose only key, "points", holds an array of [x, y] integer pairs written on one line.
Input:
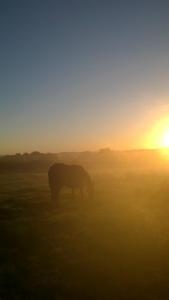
{"points": [[115, 246]]}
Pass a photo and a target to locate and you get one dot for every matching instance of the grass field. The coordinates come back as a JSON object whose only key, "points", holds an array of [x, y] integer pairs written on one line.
{"points": [[115, 246]]}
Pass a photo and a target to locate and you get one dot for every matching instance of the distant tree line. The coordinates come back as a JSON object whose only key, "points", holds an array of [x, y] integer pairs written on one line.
{"points": [[104, 158]]}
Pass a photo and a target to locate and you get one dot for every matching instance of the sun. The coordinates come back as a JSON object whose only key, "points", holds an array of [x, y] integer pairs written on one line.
{"points": [[165, 139], [158, 136]]}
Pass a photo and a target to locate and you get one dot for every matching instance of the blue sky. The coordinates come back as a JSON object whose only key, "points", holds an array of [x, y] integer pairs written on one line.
{"points": [[81, 74]]}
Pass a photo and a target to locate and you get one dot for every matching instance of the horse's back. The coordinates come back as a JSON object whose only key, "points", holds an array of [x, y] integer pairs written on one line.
{"points": [[70, 175]]}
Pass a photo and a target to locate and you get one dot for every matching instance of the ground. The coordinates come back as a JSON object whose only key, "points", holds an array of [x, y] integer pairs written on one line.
{"points": [[114, 246]]}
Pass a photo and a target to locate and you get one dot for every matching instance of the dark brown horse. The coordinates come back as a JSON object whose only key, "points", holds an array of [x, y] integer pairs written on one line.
{"points": [[72, 176]]}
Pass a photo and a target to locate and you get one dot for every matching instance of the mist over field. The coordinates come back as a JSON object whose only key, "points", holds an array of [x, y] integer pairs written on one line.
{"points": [[113, 246]]}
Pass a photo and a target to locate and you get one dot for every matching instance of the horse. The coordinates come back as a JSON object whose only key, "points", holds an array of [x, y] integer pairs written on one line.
{"points": [[72, 176]]}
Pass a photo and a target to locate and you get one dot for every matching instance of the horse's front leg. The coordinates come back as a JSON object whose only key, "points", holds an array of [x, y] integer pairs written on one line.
{"points": [[73, 193]]}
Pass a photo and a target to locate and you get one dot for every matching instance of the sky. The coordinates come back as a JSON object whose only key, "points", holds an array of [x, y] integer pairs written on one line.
{"points": [[82, 74]]}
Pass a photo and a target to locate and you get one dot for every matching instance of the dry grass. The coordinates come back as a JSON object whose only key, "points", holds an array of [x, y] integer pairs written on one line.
{"points": [[115, 246]]}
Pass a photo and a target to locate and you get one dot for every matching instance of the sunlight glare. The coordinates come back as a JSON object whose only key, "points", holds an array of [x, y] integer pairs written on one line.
{"points": [[158, 137], [165, 139]]}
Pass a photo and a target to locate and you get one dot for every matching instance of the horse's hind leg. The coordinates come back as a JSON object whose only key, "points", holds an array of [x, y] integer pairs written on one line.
{"points": [[55, 194]]}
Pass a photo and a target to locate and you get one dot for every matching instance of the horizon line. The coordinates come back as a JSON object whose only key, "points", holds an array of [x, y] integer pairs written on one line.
{"points": [[81, 151]]}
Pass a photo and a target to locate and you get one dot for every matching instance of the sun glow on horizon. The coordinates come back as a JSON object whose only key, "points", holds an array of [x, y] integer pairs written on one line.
{"points": [[158, 136], [165, 139]]}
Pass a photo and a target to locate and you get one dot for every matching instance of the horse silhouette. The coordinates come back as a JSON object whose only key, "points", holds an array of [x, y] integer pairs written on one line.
{"points": [[72, 176]]}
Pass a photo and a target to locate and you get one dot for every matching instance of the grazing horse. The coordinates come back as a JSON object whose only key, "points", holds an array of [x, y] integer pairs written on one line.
{"points": [[72, 176]]}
